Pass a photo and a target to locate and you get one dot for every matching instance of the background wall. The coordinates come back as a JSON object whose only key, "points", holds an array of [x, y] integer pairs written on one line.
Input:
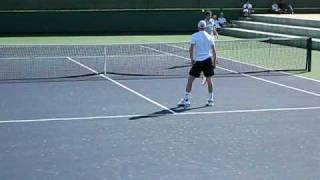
{"points": [[25, 17], [102, 22], [139, 4]]}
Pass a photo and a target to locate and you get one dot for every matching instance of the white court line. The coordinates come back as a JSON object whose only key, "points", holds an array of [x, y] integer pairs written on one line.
{"points": [[79, 57], [282, 72], [233, 60], [123, 86], [302, 77], [252, 110], [275, 83], [68, 119], [247, 75], [158, 115]]}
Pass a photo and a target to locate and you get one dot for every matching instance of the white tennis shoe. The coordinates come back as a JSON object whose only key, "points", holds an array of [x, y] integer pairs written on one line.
{"points": [[210, 102], [184, 102]]}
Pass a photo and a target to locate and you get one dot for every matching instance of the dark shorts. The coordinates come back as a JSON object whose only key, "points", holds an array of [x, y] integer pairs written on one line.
{"points": [[202, 66]]}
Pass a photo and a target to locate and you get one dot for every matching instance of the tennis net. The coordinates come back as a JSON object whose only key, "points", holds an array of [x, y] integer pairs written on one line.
{"points": [[150, 60]]}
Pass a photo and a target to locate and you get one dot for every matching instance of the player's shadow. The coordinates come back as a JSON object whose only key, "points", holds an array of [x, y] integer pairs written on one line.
{"points": [[165, 112]]}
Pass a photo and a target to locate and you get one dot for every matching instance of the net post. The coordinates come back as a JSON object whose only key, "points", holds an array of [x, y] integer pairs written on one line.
{"points": [[105, 60], [309, 54]]}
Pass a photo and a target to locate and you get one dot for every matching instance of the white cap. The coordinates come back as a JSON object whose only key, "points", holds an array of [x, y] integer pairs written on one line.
{"points": [[202, 24]]}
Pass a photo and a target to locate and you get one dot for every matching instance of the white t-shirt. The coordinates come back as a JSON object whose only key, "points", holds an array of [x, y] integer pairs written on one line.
{"points": [[203, 43], [275, 7], [217, 24], [247, 6], [222, 20]]}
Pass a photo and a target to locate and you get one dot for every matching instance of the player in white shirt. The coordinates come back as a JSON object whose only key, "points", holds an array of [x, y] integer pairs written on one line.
{"points": [[210, 28], [203, 58]]}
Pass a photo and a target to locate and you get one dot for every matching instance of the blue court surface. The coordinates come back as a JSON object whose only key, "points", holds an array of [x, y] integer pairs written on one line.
{"points": [[262, 126]]}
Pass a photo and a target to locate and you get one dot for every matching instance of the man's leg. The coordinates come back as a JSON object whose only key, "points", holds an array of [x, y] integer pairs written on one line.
{"points": [[185, 100], [189, 86], [210, 84], [210, 88], [194, 73]]}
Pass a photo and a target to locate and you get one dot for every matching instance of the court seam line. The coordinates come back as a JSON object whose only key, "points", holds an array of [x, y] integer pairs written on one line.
{"points": [[247, 75], [158, 115], [229, 59], [123, 86]]}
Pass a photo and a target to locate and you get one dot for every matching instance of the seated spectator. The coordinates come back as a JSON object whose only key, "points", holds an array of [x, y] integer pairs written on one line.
{"points": [[285, 7], [247, 9], [216, 22], [275, 8], [222, 20]]}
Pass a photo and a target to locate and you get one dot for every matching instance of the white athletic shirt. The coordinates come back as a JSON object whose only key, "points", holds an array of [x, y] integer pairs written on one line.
{"points": [[275, 7], [247, 6], [222, 20], [203, 43], [217, 24]]}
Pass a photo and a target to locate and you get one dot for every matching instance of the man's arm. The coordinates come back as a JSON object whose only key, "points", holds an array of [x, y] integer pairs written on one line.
{"points": [[214, 57], [191, 53]]}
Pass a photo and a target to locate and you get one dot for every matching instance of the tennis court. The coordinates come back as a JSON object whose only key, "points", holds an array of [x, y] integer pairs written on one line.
{"points": [[109, 112]]}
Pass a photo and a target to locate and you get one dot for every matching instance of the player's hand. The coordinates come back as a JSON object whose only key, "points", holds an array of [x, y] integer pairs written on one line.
{"points": [[193, 61]]}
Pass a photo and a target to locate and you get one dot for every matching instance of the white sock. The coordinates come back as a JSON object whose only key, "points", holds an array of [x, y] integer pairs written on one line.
{"points": [[186, 97], [210, 96]]}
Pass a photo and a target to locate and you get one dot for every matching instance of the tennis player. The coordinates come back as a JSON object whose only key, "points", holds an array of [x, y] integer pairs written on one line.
{"points": [[210, 28], [203, 58]]}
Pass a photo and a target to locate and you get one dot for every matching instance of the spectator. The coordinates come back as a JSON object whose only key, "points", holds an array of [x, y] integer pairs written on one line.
{"points": [[275, 8], [222, 20], [216, 22], [285, 7], [247, 9]]}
